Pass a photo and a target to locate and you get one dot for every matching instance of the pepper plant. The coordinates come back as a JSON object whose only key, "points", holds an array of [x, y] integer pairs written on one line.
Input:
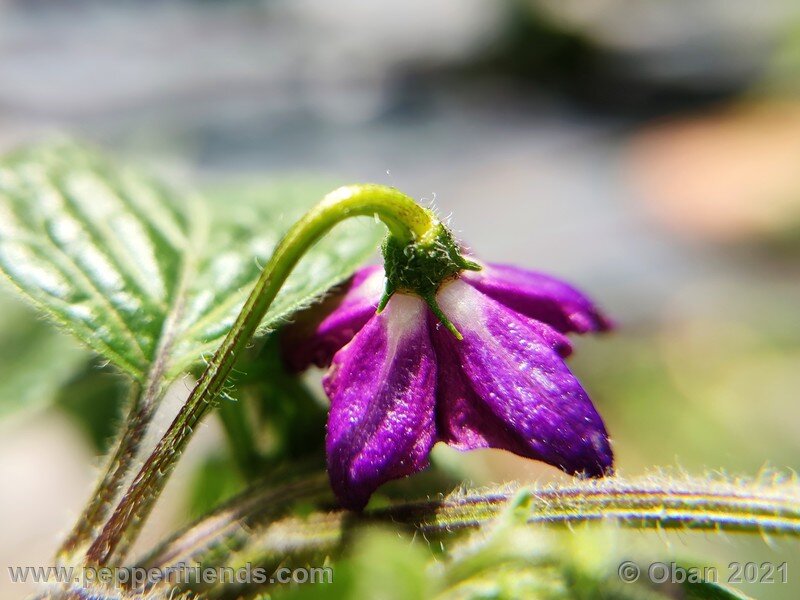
{"points": [[231, 298]]}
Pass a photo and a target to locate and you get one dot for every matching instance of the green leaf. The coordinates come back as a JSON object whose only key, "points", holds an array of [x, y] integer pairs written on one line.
{"points": [[401, 570], [148, 278], [101, 250], [706, 590], [35, 361]]}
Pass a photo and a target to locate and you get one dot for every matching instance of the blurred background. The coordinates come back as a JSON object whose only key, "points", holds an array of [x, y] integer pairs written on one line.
{"points": [[647, 151]]}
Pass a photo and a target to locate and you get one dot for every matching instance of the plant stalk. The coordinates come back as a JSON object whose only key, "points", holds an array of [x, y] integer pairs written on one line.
{"points": [[406, 221], [126, 448], [657, 502]]}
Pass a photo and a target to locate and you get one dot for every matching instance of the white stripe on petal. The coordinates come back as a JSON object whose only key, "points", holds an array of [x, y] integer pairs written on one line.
{"points": [[462, 304], [407, 317]]}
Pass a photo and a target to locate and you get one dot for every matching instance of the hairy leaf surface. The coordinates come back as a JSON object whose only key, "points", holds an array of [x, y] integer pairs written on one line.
{"points": [[149, 278]]}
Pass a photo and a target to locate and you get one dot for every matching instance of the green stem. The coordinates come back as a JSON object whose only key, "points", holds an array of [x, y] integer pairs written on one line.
{"points": [[682, 504], [654, 502], [406, 221], [118, 466]]}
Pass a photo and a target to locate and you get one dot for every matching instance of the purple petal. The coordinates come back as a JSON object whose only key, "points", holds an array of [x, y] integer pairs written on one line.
{"points": [[540, 297], [381, 385], [318, 333], [505, 385]]}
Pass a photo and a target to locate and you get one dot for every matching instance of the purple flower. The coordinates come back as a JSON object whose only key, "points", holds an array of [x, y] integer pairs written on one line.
{"points": [[400, 381]]}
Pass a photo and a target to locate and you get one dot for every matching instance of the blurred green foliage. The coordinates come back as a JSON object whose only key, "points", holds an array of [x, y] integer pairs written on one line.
{"points": [[35, 359]]}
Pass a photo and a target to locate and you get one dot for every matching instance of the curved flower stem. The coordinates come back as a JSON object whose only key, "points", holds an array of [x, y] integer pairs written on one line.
{"points": [[646, 503], [406, 221]]}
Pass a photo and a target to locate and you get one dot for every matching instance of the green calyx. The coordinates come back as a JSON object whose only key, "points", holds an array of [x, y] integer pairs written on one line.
{"points": [[421, 266]]}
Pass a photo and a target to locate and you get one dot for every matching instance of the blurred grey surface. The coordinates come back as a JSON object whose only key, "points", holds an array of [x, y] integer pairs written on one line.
{"points": [[209, 89]]}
